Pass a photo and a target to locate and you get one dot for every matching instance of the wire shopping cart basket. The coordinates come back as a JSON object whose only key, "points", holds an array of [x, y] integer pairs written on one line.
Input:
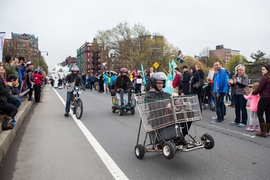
{"points": [[166, 123]]}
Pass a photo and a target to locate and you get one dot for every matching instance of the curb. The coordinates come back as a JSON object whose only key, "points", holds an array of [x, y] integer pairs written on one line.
{"points": [[7, 136]]}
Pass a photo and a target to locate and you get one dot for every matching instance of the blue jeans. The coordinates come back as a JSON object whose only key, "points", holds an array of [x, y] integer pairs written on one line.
{"points": [[240, 104], [220, 110], [16, 101], [68, 100]]}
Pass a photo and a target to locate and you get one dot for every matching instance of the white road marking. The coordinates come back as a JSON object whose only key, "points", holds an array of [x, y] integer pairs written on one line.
{"points": [[229, 130], [116, 172]]}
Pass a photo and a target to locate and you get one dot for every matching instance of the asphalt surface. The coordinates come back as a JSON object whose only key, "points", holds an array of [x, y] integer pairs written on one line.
{"points": [[101, 146]]}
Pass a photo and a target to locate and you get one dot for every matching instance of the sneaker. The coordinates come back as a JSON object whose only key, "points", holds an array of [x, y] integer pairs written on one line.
{"points": [[252, 129], [66, 114], [249, 127], [234, 123], [214, 117], [241, 125], [217, 121], [257, 128]]}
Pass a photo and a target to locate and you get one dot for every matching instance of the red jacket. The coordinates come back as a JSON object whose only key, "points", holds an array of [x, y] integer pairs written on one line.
{"points": [[37, 78], [176, 80]]}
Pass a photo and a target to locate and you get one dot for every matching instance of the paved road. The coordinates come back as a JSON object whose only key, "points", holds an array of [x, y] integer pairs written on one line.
{"points": [[101, 146]]}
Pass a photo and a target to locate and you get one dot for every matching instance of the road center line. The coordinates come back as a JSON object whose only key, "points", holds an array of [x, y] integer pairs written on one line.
{"points": [[116, 172]]}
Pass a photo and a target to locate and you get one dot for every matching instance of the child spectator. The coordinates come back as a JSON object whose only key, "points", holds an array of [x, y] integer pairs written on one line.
{"points": [[12, 87], [254, 99]]}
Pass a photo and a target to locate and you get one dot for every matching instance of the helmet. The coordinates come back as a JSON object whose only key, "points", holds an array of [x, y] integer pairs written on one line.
{"points": [[75, 68], [123, 70], [159, 76]]}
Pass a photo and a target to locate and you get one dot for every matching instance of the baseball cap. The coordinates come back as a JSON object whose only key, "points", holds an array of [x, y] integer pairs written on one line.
{"points": [[28, 63]]}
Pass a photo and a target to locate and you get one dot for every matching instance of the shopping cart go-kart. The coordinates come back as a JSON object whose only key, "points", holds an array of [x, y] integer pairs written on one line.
{"points": [[166, 122], [124, 105]]}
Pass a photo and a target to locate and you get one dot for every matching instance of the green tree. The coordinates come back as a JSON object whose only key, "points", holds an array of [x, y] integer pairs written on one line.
{"points": [[254, 68], [136, 45], [210, 61], [235, 60], [204, 55], [259, 56]]}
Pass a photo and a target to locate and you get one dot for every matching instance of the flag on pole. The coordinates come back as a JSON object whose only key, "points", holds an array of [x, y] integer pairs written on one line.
{"points": [[168, 88], [2, 38], [144, 80]]}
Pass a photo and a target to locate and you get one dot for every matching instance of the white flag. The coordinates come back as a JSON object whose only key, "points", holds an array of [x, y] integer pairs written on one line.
{"points": [[2, 38]]}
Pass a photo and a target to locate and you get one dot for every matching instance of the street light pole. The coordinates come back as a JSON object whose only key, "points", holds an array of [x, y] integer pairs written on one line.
{"points": [[40, 57]]}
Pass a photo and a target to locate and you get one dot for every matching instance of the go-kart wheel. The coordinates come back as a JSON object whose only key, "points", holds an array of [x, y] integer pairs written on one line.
{"points": [[139, 151], [168, 150], [132, 111], [120, 112], [208, 141], [113, 109]]}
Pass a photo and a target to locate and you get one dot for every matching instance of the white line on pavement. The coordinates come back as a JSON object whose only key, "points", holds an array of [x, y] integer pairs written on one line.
{"points": [[226, 129], [116, 172]]}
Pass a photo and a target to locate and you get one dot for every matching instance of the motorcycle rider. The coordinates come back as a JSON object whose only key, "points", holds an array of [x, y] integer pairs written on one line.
{"points": [[123, 85], [75, 78]]}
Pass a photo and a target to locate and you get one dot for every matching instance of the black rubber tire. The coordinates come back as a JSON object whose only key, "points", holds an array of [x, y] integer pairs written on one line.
{"points": [[168, 150], [79, 108], [113, 109], [208, 141], [139, 151], [120, 112], [132, 111]]}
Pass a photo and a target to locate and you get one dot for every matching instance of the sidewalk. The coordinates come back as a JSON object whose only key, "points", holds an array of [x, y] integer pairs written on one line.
{"points": [[7, 136]]}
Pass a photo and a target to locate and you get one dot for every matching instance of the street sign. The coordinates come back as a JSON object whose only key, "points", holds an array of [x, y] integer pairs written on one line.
{"points": [[156, 65]]}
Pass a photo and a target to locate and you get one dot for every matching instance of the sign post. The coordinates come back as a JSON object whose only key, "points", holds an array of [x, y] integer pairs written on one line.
{"points": [[156, 65]]}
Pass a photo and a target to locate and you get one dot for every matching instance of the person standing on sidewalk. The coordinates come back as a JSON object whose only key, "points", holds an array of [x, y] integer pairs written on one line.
{"points": [[29, 79], [197, 75], [240, 81], [176, 81], [264, 102], [185, 80], [38, 76], [220, 90]]}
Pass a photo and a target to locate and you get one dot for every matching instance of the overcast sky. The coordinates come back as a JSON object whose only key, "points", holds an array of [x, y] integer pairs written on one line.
{"points": [[63, 26]]}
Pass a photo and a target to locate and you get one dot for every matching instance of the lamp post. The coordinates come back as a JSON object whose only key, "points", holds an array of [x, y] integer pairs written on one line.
{"points": [[40, 56]]}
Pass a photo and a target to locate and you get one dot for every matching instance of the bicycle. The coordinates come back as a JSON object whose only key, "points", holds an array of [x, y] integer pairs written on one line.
{"points": [[76, 102]]}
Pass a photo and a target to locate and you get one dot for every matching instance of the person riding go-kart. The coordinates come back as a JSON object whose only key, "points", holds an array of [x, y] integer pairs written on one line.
{"points": [[123, 85], [73, 77], [157, 83]]}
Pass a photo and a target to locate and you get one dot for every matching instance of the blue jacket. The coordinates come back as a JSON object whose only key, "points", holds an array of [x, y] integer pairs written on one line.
{"points": [[105, 78], [113, 79], [221, 81]]}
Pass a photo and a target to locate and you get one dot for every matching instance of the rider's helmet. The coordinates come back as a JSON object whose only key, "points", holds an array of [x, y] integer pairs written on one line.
{"points": [[75, 68], [159, 76], [123, 70]]}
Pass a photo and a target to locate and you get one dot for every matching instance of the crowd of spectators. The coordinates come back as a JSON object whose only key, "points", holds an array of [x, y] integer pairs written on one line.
{"points": [[18, 79]]}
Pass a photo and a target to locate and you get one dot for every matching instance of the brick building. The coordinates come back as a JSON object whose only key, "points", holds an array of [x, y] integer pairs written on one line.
{"points": [[89, 59], [70, 60], [114, 61], [25, 45], [224, 53]]}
